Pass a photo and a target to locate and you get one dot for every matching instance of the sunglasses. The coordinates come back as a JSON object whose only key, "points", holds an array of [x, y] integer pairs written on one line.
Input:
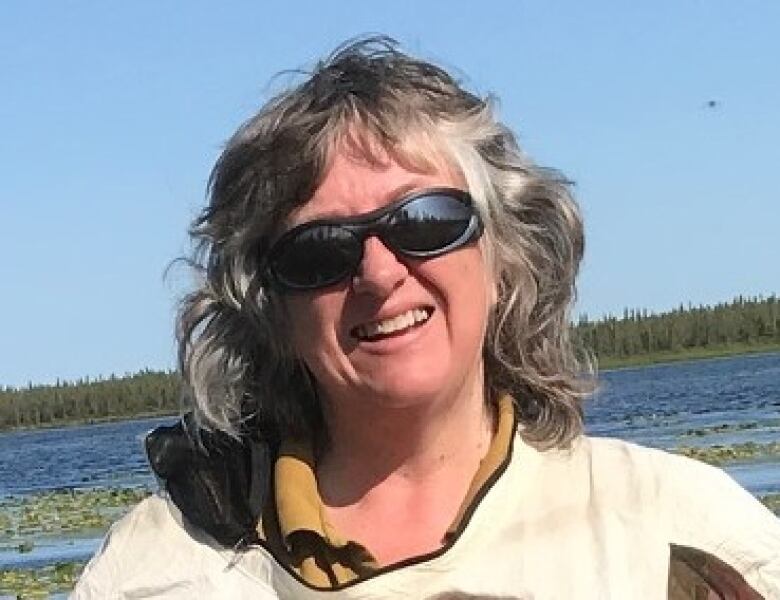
{"points": [[423, 224]]}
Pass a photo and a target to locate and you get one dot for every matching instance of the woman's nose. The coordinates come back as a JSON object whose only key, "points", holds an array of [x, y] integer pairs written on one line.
{"points": [[380, 272]]}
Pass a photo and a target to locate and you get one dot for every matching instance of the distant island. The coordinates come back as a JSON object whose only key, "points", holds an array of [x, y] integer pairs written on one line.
{"points": [[637, 338]]}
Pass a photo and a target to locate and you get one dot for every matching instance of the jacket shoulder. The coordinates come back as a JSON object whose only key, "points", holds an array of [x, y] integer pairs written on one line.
{"points": [[698, 508], [150, 548]]}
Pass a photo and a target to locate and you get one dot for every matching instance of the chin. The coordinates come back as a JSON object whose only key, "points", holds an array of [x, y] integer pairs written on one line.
{"points": [[409, 390], [415, 385]]}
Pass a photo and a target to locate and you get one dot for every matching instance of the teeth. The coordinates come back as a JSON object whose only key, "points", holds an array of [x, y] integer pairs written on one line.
{"points": [[387, 326]]}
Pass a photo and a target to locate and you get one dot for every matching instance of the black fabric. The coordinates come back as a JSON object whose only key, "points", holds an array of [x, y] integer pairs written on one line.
{"points": [[219, 483]]}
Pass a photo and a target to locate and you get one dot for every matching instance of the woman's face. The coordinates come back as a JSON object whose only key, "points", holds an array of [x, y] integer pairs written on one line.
{"points": [[447, 299]]}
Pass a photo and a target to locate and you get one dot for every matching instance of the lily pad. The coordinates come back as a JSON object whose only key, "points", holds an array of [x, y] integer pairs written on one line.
{"points": [[719, 455], [65, 511], [42, 582], [772, 502]]}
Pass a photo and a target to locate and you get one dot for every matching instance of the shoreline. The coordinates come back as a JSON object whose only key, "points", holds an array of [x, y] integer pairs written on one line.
{"points": [[602, 366], [97, 421], [695, 355]]}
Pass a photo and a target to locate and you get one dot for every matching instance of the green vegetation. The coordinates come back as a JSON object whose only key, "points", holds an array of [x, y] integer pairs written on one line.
{"points": [[639, 338], [57, 512], [772, 502], [642, 360], [26, 520], [729, 428], [719, 455], [85, 401], [42, 582]]}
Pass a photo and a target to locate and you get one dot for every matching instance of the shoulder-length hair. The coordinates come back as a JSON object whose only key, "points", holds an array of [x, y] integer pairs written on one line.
{"points": [[237, 364]]}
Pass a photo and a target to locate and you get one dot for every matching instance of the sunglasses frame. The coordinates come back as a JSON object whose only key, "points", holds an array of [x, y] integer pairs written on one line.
{"points": [[374, 223]]}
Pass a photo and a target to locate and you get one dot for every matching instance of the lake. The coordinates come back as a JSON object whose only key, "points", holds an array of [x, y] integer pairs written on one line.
{"points": [[721, 401]]}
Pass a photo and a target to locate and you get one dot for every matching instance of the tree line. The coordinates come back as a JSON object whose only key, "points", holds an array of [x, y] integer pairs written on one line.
{"points": [[88, 400], [743, 324]]}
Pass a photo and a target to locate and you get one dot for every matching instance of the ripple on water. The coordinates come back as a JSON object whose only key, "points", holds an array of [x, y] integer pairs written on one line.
{"points": [[703, 403], [49, 551], [760, 478], [102, 455]]}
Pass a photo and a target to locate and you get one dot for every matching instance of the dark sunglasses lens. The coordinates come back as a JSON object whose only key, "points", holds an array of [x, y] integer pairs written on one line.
{"points": [[429, 223], [317, 257]]}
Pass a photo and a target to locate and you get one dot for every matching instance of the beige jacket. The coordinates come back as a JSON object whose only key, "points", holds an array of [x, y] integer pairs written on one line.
{"points": [[604, 519]]}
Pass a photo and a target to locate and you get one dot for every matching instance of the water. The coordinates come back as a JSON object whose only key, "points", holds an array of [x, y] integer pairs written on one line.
{"points": [[86, 456], [654, 406], [50, 550], [661, 405]]}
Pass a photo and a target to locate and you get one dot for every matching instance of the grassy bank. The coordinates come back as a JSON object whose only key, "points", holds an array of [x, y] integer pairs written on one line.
{"points": [[92, 421], [640, 360]]}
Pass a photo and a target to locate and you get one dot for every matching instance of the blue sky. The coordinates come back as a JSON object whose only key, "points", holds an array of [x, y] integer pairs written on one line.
{"points": [[113, 113]]}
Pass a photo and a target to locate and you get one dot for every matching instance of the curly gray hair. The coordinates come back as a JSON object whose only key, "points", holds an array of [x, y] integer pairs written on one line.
{"points": [[235, 359]]}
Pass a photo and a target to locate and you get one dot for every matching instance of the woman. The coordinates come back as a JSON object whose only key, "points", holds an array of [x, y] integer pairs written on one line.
{"points": [[386, 399]]}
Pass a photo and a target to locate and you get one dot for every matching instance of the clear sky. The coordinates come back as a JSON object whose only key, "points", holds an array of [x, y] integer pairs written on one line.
{"points": [[112, 114]]}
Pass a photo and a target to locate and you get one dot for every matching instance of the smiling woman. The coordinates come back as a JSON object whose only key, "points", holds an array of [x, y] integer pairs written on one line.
{"points": [[385, 398]]}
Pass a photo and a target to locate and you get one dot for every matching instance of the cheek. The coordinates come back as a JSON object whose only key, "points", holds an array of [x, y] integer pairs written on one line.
{"points": [[303, 322], [469, 296], [312, 319], [477, 284], [483, 294]]}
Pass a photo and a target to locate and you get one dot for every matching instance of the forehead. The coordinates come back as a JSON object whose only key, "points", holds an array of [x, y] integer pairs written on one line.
{"points": [[356, 183]]}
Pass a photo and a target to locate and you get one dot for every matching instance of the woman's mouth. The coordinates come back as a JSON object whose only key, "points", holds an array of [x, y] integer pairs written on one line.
{"points": [[399, 324]]}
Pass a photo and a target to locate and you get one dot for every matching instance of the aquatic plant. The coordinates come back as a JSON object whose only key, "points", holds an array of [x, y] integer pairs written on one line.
{"points": [[63, 511], [722, 428], [25, 519], [719, 455], [772, 502], [42, 582]]}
